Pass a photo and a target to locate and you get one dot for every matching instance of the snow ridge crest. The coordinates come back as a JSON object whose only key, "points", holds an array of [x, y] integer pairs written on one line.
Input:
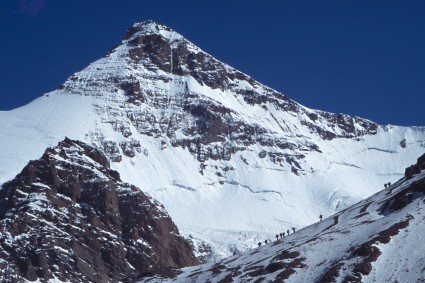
{"points": [[150, 27]]}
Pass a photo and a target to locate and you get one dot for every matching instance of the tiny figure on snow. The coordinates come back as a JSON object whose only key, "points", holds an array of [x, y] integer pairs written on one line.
{"points": [[266, 241], [293, 229], [259, 244], [281, 235], [287, 232], [277, 237], [321, 217]]}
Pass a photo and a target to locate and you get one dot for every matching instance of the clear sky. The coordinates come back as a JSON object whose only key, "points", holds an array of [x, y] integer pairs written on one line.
{"points": [[362, 57]]}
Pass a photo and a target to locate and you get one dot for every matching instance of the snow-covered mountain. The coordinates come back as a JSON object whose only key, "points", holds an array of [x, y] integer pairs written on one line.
{"points": [[231, 159], [67, 217], [376, 240]]}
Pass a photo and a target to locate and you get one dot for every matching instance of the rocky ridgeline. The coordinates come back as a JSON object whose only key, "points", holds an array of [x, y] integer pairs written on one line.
{"points": [[69, 216], [156, 83]]}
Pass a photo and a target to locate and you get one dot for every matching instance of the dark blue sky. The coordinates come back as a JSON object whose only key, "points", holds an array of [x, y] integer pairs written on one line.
{"points": [[363, 57]]}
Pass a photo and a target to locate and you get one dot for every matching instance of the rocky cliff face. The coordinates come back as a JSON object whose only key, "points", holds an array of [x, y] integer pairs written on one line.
{"points": [[69, 216]]}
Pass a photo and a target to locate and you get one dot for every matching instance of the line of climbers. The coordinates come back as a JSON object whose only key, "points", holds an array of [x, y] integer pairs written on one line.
{"points": [[281, 235]]}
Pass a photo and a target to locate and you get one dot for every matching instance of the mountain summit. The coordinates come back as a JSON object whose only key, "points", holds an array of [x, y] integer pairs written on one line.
{"points": [[221, 151], [149, 28]]}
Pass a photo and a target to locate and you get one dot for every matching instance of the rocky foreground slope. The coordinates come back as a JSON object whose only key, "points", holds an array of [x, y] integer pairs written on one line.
{"points": [[68, 216], [379, 239]]}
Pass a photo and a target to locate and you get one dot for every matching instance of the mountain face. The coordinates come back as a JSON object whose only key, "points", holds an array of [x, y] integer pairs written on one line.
{"points": [[68, 216], [169, 89], [376, 240], [231, 159]]}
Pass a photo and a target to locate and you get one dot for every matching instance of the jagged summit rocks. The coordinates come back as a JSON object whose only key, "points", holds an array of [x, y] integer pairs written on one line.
{"points": [[69, 216], [172, 53]]}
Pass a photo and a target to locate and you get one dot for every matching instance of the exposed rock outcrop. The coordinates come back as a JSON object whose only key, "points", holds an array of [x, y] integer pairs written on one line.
{"points": [[69, 216], [415, 168]]}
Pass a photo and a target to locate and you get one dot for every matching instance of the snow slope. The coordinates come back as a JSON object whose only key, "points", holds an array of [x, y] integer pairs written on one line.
{"points": [[376, 240], [227, 156]]}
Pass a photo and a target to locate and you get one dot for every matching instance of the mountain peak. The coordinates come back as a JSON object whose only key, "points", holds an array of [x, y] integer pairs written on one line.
{"points": [[150, 27], [157, 73]]}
